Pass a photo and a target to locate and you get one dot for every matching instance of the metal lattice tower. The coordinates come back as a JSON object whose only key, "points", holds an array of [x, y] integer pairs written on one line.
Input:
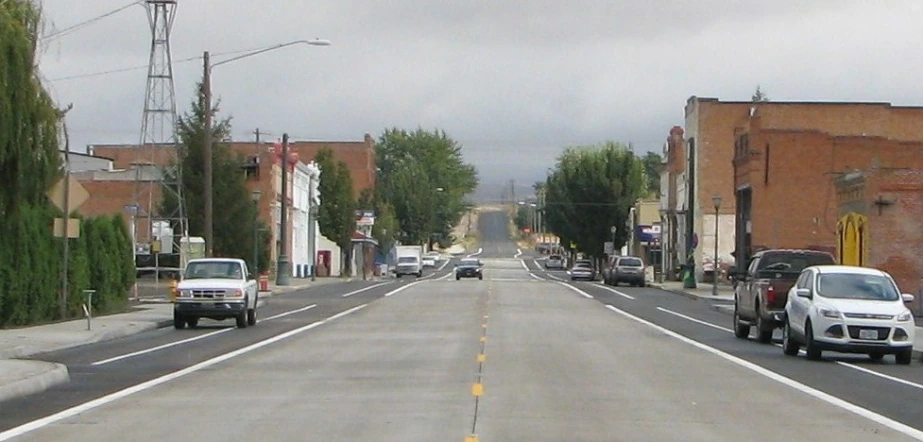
{"points": [[159, 142]]}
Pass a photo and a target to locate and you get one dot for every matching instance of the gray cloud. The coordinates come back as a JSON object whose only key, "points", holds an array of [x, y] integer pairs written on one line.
{"points": [[513, 81]]}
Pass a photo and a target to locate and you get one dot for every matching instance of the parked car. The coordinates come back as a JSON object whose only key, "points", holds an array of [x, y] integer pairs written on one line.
{"points": [[555, 262], [850, 310], [582, 269], [762, 289], [469, 268], [428, 261], [628, 269]]}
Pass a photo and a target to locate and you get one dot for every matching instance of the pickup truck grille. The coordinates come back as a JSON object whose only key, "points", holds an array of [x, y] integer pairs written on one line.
{"points": [[882, 332], [209, 293]]}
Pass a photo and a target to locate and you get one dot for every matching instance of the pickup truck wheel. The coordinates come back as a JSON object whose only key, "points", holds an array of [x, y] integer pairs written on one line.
{"points": [[192, 322], [789, 346], [877, 356], [813, 353], [763, 331], [251, 316], [242, 319], [179, 322], [741, 329]]}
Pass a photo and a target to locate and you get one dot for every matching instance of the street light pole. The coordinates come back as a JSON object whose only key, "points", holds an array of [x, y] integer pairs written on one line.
{"points": [[714, 286], [207, 148], [207, 154], [255, 195], [283, 274]]}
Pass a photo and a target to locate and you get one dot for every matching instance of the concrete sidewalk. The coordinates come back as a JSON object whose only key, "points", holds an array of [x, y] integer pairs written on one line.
{"points": [[724, 303], [24, 377], [702, 290]]}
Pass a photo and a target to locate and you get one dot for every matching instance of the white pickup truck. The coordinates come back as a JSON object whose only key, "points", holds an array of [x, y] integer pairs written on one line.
{"points": [[215, 288]]}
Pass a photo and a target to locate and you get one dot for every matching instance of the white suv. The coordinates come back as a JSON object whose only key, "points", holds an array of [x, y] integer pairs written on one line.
{"points": [[850, 310]]}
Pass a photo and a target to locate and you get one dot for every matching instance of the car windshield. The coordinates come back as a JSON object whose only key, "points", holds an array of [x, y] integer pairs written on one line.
{"points": [[856, 286], [583, 265], [213, 270], [469, 262], [554, 258], [407, 260], [630, 262]]}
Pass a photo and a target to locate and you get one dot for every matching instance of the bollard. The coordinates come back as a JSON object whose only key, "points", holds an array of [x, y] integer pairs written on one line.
{"points": [[88, 307]]}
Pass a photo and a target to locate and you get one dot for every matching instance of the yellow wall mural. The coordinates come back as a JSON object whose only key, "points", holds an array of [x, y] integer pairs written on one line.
{"points": [[852, 239]]}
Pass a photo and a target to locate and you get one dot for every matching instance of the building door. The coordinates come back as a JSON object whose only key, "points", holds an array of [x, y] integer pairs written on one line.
{"points": [[851, 239]]}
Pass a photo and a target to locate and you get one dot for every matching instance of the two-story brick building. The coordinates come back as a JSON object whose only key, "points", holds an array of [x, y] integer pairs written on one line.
{"points": [[770, 163]]}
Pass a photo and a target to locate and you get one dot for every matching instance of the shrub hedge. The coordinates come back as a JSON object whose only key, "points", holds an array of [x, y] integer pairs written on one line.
{"points": [[30, 266]]}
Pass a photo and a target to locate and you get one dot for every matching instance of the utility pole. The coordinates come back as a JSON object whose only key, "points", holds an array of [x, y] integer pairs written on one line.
{"points": [[257, 133], [207, 153], [312, 235], [283, 274], [62, 306]]}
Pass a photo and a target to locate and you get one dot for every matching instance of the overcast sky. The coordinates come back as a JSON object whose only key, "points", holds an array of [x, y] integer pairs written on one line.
{"points": [[513, 81]]}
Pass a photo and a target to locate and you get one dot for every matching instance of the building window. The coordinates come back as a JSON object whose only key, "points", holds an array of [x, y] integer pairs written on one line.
{"points": [[742, 145]]}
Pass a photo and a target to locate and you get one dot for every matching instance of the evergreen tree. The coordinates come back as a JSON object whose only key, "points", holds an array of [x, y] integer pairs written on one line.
{"points": [[234, 212]]}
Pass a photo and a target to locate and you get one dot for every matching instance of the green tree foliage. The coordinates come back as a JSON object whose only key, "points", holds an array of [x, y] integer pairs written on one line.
{"points": [[591, 189], [412, 167], [31, 257], [386, 226], [235, 213], [652, 166], [336, 214], [759, 96], [28, 117]]}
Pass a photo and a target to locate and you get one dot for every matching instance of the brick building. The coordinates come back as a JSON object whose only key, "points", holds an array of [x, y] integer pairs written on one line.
{"points": [[113, 187], [878, 211], [735, 150], [786, 155]]}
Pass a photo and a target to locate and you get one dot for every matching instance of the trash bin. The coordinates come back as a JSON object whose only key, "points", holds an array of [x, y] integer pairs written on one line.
{"points": [[264, 282]]}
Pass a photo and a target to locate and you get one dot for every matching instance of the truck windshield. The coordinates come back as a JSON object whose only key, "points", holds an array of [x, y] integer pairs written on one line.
{"points": [[213, 270], [793, 262], [407, 260]]}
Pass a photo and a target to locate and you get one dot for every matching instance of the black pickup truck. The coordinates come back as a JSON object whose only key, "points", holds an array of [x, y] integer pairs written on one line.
{"points": [[761, 289]]}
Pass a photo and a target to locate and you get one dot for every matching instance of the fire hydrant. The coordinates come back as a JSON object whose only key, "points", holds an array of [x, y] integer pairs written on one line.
{"points": [[173, 292]]}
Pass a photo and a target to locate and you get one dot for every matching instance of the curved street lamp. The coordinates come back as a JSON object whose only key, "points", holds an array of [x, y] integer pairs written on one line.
{"points": [[207, 149]]}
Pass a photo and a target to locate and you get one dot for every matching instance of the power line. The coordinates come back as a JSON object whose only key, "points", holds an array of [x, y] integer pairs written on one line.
{"points": [[83, 24], [139, 67]]}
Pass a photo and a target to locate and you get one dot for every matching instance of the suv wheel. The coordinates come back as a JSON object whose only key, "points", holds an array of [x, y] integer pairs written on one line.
{"points": [[904, 357], [741, 329], [813, 353], [789, 346]]}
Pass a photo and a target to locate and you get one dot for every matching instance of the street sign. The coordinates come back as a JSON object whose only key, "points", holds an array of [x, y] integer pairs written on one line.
{"points": [[608, 247], [131, 208], [73, 228], [77, 194]]}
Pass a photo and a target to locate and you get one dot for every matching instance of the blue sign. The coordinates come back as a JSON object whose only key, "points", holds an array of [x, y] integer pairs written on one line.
{"points": [[647, 234]]}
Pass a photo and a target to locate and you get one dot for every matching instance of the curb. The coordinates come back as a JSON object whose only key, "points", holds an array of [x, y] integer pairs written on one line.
{"points": [[657, 285], [52, 374]]}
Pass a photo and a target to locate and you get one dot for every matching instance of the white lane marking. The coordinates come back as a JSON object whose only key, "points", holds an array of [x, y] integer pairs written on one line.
{"points": [[802, 352], [697, 321], [113, 397], [624, 295], [193, 339], [443, 265], [476, 253], [400, 289], [536, 276], [355, 292], [581, 292], [810, 391], [523, 262], [518, 254], [537, 265]]}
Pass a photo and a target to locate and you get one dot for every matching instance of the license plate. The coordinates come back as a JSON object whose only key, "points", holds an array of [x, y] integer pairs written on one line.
{"points": [[868, 334]]}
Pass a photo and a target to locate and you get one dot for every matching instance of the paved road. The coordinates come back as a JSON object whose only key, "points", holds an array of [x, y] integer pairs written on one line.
{"points": [[494, 235], [517, 356]]}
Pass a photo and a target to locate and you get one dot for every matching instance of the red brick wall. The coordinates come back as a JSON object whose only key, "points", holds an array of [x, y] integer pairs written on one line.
{"points": [[715, 145], [795, 204], [110, 198], [895, 236]]}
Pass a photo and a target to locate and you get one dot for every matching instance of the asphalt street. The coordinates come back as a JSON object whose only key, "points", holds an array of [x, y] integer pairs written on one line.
{"points": [[522, 355]]}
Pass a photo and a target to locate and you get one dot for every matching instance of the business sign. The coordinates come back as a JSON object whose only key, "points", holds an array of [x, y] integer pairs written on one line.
{"points": [[365, 218], [648, 234]]}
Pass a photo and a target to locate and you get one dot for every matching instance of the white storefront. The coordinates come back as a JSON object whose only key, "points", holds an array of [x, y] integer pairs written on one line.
{"points": [[305, 181]]}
